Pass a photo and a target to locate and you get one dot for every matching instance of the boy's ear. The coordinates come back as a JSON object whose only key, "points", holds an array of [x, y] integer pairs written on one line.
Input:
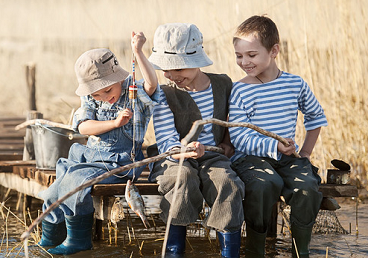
{"points": [[275, 50]]}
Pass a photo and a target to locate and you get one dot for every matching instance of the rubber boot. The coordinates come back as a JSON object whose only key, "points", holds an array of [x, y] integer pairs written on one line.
{"points": [[229, 244], [302, 237], [52, 234], [176, 239], [255, 243], [79, 235]]}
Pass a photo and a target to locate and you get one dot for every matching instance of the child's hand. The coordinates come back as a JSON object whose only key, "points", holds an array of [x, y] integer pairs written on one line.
{"points": [[138, 40], [228, 149], [123, 117], [286, 150], [199, 151]]}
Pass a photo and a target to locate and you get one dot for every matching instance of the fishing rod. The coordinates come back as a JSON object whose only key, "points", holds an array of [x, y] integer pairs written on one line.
{"points": [[133, 89]]}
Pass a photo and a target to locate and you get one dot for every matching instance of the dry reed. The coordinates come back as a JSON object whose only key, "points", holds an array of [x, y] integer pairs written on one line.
{"points": [[322, 41]]}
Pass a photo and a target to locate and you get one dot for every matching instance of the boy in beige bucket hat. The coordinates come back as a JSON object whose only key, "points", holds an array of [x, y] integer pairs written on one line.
{"points": [[105, 112], [193, 95]]}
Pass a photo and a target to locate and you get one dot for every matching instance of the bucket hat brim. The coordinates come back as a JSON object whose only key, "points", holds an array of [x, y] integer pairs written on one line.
{"points": [[90, 87], [179, 61]]}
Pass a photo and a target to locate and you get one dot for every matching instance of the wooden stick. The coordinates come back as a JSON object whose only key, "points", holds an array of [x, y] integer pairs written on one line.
{"points": [[42, 121], [93, 181], [143, 162], [198, 123]]}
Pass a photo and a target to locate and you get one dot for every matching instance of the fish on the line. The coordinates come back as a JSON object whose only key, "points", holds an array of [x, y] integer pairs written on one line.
{"points": [[135, 202]]}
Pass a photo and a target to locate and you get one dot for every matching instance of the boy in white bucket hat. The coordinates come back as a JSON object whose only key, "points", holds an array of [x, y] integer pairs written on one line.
{"points": [[193, 95], [105, 112]]}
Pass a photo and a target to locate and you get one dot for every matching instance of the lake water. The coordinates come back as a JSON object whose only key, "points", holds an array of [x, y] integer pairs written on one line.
{"points": [[141, 242]]}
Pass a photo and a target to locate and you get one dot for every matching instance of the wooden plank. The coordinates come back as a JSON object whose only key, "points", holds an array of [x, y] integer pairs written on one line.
{"points": [[11, 147], [8, 165], [12, 134], [6, 122], [45, 177], [330, 190], [26, 186], [14, 156], [12, 142], [119, 189]]}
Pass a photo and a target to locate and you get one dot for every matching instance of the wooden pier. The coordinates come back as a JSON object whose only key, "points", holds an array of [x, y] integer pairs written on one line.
{"points": [[23, 176]]}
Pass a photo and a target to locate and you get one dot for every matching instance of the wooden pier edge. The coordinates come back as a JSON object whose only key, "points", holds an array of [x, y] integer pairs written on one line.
{"points": [[11, 153]]}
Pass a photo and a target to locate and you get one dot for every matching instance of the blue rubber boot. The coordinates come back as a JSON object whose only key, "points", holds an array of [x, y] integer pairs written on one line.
{"points": [[79, 235], [229, 244], [176, 240], [52, 234]]}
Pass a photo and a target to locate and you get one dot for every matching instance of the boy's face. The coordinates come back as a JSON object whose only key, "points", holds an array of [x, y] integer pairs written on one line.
{"points": [[109, 94], [182, 77], [252, 56]]}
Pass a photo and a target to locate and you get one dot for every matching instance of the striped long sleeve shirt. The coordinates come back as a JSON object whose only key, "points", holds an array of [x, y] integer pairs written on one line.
{"points": [[273, 106], [166, 134]]}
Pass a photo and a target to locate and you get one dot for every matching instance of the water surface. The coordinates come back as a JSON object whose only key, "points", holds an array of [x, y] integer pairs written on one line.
{"points": [[141, 242]]}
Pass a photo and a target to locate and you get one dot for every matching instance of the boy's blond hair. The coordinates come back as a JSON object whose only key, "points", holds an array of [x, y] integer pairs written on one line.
{"points": [[262, 27]]}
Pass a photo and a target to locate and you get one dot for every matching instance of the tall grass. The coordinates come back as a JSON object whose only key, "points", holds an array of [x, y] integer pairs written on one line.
{"points": [[326, 45]]}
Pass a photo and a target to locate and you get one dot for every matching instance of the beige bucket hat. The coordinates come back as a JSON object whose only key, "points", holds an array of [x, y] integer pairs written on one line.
{"points": [[178, 46], [97, 69]]}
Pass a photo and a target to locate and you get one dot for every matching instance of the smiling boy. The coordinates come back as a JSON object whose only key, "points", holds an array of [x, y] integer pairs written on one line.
{"points": [[270, 98]]}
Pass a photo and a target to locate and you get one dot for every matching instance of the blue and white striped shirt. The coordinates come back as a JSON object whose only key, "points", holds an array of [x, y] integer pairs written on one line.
{"points": [[166, 134], [273, 106]]}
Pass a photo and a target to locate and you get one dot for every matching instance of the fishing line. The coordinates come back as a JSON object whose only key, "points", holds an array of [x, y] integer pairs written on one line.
{"points": [[133, 98]]}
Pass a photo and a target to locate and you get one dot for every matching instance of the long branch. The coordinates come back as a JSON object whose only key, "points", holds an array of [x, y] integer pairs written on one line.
{"points": [[143, 162], [106, 175], [198, 123], [42, 121]]}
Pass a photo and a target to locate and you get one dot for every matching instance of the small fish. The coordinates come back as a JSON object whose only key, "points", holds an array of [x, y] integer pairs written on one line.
{"points": [[117, 211], [135, 202]]}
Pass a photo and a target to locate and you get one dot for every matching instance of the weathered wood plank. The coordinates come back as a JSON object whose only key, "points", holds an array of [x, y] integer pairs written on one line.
{"points": [[8, 165], [330, 190], [11, 156], [11, 147], [119, 189], [11, 122], [45, 177], [26, 186]]}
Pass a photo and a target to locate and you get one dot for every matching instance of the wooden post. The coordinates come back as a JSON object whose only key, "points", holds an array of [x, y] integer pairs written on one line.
{"points": [[28, 152], [31, 84]]}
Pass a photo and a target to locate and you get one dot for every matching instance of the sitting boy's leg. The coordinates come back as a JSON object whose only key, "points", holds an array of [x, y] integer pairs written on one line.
{"points": [[188, 200], [223, 191], [302, 194], [301, 190], [263, 187]]}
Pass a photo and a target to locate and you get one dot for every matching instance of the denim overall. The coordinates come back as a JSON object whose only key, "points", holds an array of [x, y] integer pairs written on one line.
{"points": [[109, 151]]}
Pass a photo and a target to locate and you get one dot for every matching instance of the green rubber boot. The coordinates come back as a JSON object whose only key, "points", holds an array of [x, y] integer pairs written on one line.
{"points": [[302, 238], [79, 235], [255, 243], [52, 234]]}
